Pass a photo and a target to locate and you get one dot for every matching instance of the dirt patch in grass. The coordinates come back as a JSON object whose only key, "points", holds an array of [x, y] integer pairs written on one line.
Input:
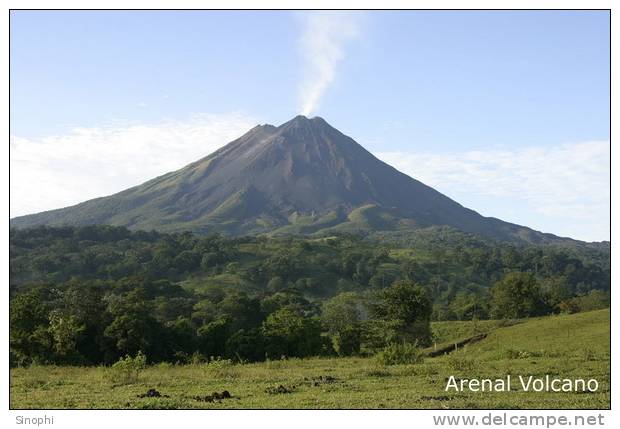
{"points": [[276, 390], [152, 393], [320, 380], [214, 397]]}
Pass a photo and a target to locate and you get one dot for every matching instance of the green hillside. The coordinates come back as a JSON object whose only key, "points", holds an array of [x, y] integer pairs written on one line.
{"points": [[565, 346], [576, 336]]}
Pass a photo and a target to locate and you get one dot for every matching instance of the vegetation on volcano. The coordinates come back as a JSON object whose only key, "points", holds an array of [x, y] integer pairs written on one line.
{"points": [[91, 295]]}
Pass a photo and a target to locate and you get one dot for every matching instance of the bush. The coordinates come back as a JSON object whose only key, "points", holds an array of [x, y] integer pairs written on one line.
{"points": [[217, 363], [221, 368], [522, 354], [400, 354], [595, 300], [197, 358], [127, 369], [461, 363]]}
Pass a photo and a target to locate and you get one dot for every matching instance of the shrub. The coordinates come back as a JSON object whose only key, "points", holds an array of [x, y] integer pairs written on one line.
{"points": [[400, 354], [197, 358], [164, 365], [221, 368], [461, 363], [127, 369], [522, 354], [219, 362], [594, 300]]}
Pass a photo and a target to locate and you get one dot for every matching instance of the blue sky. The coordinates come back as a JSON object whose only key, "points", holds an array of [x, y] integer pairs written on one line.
{"points": [[452, 98]]}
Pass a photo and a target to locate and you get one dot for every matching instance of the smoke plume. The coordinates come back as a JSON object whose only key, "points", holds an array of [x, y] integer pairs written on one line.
{"points": [[322, 46]]}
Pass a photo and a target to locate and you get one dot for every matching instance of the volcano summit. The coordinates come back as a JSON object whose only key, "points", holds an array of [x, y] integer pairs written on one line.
{"points": [[303, 177]]}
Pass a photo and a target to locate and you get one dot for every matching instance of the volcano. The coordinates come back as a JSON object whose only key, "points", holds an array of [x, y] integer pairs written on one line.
{"points": [[302, 177]]}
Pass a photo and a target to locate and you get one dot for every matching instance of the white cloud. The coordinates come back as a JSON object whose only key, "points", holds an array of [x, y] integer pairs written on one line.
{"points": [[61, 170], [321, 46], [563, 189]]}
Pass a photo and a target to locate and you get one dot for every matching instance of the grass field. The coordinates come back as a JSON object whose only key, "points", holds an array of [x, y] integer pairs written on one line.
{"points": [[564, 346]]}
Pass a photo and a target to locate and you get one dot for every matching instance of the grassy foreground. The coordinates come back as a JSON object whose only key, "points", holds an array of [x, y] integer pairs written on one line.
{"points": [[564, 346]]}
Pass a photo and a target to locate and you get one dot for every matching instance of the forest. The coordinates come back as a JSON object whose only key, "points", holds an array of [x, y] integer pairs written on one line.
{"points": [[91, 295]]}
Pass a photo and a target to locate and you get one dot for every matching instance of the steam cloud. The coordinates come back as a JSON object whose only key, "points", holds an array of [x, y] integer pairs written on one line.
{"points": [[322, 42]]}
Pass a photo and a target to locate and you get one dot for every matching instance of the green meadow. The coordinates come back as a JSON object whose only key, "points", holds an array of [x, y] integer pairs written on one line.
{"points": [[564, 346]]}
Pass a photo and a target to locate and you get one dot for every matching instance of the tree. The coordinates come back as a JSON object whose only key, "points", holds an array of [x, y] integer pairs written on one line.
{"points": [[242, 311], [275, 284], [556, 289], [30, 339], [410, 305], [203, 312], [133, 328], [517, 295], [181, 337], [469, 304], [212, 337], [83, 310], [281, 264], [378, 333], [208, 260], [187, 261], [65, 330], [288, 333], [414, 271], [341, 316], [278, 300], [246, 345]]}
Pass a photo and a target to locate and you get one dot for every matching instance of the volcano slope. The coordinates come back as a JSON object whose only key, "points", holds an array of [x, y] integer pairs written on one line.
{"points": [[303, 177]]}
